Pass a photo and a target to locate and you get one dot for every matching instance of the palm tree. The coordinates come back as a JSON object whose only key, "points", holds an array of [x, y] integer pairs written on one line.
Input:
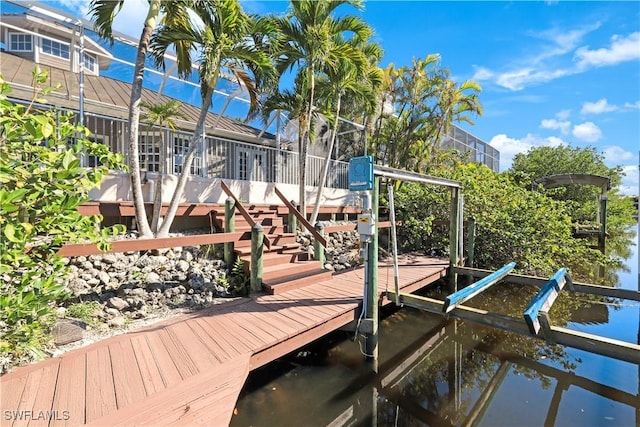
{"points": [[360, 78], [103, 12], [308, 34], [224, 39], [161, 115]]}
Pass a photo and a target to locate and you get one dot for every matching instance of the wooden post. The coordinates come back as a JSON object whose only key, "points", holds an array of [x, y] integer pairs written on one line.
{"points": [[318, 248], [229, 227], [454, 238], [602, 236], [292, 221], [471, 245], [371, 339], [257, 235]]}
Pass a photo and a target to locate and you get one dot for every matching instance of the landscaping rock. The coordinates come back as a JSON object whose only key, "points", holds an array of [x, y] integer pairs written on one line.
{"points": [[66, 331]]}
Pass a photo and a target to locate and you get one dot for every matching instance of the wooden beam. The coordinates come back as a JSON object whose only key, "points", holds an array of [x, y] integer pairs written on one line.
{"points": [[245, 214], [301, 218], [616, 349], [474, 289], [544, 299], [584, 288], [471, 314], [85, 249]]}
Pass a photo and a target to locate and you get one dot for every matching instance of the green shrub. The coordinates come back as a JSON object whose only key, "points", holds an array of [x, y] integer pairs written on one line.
{"points": [[513, 224], [42, 184]]}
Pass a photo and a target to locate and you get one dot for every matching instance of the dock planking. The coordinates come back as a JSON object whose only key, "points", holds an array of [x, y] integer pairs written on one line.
{"points": [[174, 372]]}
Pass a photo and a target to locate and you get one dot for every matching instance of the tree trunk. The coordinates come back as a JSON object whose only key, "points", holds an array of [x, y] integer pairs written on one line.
{"points": [[325, 167], [134, 120], [306, 141], [198, 138], [157, 194]]}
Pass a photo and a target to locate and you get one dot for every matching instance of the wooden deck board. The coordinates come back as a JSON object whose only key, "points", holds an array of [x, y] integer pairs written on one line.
{"points": [[44, 396], [190, 369], [70, 390], [100, 390], [127, 379], [203, 358], [205, 399], [166, 365]]}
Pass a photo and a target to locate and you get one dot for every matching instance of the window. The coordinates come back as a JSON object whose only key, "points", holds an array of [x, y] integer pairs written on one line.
{"points": [[89, 63], [20, 42], [55, 48]]}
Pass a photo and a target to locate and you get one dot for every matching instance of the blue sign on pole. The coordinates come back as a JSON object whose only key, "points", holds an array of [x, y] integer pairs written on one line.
{"points": [[361, 173]]}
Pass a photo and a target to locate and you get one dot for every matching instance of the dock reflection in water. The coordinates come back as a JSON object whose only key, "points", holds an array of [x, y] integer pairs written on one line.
{"points": [[441, 372]]}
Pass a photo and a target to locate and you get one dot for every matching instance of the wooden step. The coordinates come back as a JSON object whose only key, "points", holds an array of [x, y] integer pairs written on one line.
{"points": [[243, 248], [281, 239], [276, 258], [275, 272], [295, 281]]}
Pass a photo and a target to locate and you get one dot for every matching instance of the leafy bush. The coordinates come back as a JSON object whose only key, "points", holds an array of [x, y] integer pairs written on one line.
{"points": [[513, 223], [43, 183]]}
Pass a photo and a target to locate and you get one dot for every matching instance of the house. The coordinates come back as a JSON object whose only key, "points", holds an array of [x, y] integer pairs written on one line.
{"points": [[251, 160]]}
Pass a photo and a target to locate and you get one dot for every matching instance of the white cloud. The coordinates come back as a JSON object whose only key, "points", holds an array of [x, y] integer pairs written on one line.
{"points": [[482, 73], [509, 147], [621, 49], [630, 106], [587, 132], [629, 185], [598, 107], [563, 115], [521, 78], [562, 125], [616, 155]]}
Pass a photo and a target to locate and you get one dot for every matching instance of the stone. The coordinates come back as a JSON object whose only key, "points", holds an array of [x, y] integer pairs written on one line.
{"points": [[117, 322], [182, 265], [117, 303], [66, 331], [328, 266], [104, 277]]}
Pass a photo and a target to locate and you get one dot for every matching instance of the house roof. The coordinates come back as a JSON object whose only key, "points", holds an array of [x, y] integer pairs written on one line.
{"points": [[43, 27], [109, 97]]}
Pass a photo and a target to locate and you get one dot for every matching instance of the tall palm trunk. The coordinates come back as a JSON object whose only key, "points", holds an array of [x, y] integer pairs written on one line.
{"points": [[306, 141], [327, 160], [157, 194], [198, 138], [134, 119]]}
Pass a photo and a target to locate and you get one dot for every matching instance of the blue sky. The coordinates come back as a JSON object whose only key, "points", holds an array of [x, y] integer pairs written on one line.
{"points": [[552, 72]]}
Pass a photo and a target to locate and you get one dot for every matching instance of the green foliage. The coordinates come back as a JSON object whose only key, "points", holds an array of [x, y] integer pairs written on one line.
{"points": [[84, 311], [43, 183], [513, 223], [239, 279], [581, 200]]}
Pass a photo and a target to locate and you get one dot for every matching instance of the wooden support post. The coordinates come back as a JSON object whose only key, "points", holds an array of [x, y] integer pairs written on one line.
{"points": [[318, 248], [471, 241], [229, 227], [602, 235], [544, 299], [257, 235], [292, 221], [371, 312], [454, 237], [470, 291]]}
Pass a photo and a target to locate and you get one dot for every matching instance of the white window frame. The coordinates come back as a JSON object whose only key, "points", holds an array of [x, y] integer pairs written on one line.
{"points": [[93, 60], [15, 33], [43, 40]]}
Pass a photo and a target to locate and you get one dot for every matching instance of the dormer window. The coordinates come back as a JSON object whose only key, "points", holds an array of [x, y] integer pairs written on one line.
{"points": [[54, 48], [19, 42], [89, 63]]}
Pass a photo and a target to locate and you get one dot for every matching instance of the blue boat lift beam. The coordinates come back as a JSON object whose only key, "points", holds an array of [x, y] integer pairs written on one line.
{"points": [[474, 289]]}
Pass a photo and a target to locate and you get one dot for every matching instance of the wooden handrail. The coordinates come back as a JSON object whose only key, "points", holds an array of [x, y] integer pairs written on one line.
{"points": [[319, 237], [243, 211], [85, 249]]}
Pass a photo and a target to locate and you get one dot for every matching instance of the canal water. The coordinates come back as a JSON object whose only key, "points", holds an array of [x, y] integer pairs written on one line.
{"points": [[439, 372]]}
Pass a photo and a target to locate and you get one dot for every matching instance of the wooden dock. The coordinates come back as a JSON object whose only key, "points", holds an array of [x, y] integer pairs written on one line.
{"points": [[189, 370]]}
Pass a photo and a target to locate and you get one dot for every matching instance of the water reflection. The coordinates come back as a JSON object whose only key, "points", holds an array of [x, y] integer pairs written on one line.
{"points": [[440, 372]]}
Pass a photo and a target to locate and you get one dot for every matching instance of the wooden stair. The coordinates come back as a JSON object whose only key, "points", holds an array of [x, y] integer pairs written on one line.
{"points": [[285, 266]]}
